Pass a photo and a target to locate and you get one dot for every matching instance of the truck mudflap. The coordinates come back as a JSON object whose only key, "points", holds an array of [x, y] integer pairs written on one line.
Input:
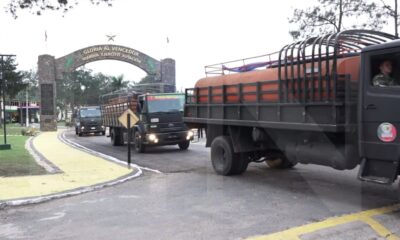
{"points": [[378, 171]]}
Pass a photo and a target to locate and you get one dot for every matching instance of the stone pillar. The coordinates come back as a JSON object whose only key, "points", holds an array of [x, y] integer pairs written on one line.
{"points": [[168, 75], [47, 83]]}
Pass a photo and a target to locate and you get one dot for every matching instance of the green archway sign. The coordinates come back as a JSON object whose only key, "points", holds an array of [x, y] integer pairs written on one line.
{"points": [[50, 69]]}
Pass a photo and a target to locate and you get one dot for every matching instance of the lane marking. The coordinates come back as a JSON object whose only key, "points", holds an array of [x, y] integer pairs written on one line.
{"points": [[379, 228], [364, 216], [55, 216], [64, 139]]}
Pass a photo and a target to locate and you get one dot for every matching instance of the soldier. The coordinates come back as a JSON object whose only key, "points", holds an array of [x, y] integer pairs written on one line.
{"points": [[384, 79]]}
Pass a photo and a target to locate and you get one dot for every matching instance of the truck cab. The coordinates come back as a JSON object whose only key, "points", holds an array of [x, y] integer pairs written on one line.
{"points": [[88, 120], [161, 121], [379, 117]]}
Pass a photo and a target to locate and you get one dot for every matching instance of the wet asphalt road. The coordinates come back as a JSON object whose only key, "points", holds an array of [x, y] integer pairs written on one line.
{"points": [[189, 201]]}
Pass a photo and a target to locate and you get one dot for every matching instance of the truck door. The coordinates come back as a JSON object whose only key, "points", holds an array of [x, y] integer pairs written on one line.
{"points": [[379, 114]]}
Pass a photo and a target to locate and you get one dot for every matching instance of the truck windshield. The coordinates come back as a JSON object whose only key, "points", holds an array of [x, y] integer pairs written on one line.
{"points": [[165, 103], [90, 112]]}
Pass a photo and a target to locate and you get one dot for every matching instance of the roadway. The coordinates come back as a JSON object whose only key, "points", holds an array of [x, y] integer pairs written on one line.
{"points": [[187, 200]]}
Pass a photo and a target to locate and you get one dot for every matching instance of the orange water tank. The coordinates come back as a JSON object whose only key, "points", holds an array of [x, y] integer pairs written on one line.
{"points": [[269, 86]]}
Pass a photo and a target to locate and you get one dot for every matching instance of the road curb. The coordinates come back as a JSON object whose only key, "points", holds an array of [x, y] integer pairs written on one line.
{"points": [[63, 139], [41, 199], [76, 191]]}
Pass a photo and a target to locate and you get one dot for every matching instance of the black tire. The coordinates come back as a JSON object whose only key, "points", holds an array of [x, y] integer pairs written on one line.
{"points": [[76, 131], [103, 133], [80, 134], [242, 164], [184, 145], [116, 137], [139, 146], [280, 163], [224, 160]]}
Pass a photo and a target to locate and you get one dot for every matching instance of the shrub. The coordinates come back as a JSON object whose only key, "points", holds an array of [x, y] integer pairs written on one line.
{"points": [[29, 131]]}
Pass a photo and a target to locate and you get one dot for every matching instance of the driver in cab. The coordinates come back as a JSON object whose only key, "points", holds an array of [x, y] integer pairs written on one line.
{"points": [[383, 79]]}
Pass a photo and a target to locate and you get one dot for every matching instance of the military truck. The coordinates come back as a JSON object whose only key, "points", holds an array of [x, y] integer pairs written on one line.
{"points": [[311, 102], [160, 119], [88, 120]]}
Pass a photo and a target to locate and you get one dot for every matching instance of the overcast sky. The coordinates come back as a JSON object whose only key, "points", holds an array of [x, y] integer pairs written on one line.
{"points": [[200, 32]]}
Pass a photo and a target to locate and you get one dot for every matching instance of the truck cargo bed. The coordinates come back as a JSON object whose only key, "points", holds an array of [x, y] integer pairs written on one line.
{"points": [[249, 104]]}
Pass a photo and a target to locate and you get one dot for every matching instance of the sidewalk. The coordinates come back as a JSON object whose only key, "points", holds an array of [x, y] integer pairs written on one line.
{"points": [[79, 170]]}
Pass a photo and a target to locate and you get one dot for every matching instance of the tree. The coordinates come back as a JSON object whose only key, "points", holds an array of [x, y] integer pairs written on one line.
{"points": [[118, 83], [71, 94], [151, 78], [13, 78], [331, 16], [32, 83], [38, 6], [392, 12]]}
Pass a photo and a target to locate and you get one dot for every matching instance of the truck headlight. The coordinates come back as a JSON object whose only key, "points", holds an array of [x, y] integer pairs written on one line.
{"points": [[189, 135], [152, 137], [82, 127]]}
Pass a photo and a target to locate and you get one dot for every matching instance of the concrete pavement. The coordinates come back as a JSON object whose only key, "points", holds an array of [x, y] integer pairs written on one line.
{"points": [[81, 172]]}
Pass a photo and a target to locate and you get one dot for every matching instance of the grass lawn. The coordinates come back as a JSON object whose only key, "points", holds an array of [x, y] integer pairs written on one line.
{"points": [[12, 129], [18, 161]]}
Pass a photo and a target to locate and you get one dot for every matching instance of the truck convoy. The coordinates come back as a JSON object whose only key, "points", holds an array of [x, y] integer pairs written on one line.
{"points": [[88, 120], [160, 119], [313, 101]]}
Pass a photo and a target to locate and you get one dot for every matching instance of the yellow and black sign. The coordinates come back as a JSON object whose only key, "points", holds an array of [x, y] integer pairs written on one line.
{"points": [[123, 119]]}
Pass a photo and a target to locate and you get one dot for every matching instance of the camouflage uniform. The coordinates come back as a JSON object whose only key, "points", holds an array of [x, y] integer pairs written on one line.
{"points": [[381, 80]]}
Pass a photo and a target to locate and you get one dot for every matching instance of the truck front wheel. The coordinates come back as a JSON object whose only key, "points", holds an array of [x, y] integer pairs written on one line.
{"points": [[139, 146], [116, 137], [224, 160], [184, 145]]}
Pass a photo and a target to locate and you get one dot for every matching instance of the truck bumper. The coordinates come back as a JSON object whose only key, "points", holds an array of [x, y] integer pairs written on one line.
{"points": [[171, 138], [93, 129]]}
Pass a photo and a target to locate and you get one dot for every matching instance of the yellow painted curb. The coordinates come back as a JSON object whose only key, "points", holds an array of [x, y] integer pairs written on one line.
{"points": [[80, 169]]}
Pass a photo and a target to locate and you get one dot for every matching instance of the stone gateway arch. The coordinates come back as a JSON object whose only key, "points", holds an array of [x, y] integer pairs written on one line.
{"points": [[51, 69]]}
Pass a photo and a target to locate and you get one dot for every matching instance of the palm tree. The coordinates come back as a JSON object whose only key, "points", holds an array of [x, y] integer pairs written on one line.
{"points": [[118, 83]]}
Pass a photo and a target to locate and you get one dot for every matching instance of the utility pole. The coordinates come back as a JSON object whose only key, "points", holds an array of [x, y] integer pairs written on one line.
{"points": [[4, 146]]}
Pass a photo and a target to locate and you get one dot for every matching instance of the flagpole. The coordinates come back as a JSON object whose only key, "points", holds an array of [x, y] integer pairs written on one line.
{"points": [[166, 48], [45, 41]]}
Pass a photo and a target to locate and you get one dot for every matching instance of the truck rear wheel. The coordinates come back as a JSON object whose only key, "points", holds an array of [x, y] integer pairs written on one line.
{"points": [[116, 137], [224, 160], [139, 146], [184, 145], [280, 163]]}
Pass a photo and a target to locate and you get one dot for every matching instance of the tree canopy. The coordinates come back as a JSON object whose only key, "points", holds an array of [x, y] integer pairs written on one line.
{"points": [[39, 6], [331, 16], [391, 11], [12, 77]]}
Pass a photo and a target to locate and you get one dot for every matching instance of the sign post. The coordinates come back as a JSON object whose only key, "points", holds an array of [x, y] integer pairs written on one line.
{"points": [[129, 139], [128, 119]]}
